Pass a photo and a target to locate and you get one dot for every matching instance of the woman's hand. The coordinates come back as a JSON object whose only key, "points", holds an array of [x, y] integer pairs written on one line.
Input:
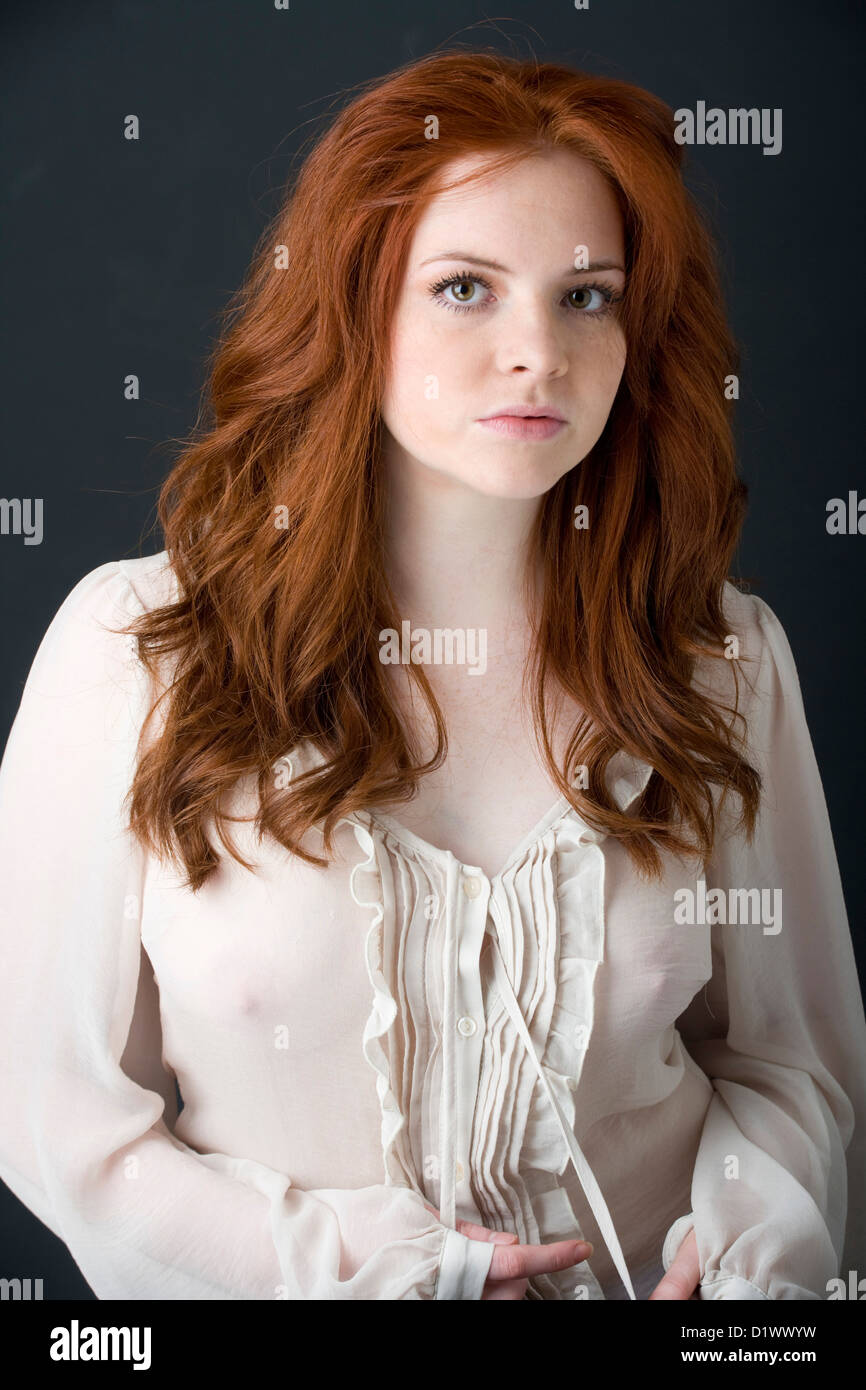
{"points": [[513, 1265], [684, 1274]]}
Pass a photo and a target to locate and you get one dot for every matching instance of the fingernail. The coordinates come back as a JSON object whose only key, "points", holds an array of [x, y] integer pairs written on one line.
{"points": [[584, 1249], [501, 1237]]}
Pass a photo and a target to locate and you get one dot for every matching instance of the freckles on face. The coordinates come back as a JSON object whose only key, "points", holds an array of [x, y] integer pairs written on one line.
{"points": [[538, 327]]}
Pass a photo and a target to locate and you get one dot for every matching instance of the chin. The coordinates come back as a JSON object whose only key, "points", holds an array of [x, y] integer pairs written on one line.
{"points": [[516, 482]]}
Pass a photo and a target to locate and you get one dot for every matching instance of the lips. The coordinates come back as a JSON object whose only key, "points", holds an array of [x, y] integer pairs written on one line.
{"points": [[523, 426], [526, 412]]}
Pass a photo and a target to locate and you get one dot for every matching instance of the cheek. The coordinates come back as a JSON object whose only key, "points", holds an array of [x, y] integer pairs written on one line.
{"points": [[430, 369], [408, 365], [421, 395], [599, 367]]}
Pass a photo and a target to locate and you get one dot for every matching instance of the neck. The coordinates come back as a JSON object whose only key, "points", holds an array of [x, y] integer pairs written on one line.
{"points": [[455, 557]]}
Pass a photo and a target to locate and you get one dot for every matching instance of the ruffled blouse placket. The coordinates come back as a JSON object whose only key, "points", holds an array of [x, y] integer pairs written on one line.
{"points": [[566, 867]]}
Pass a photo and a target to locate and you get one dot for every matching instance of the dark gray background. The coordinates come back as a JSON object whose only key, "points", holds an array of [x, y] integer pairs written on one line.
{"points": [[119, 255]]}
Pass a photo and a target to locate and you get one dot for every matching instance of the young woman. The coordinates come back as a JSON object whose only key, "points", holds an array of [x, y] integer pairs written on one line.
{"points": [[433, 813]]}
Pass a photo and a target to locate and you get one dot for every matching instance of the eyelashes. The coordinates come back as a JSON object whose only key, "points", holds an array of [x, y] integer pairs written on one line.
{"points": [[610, 298]]}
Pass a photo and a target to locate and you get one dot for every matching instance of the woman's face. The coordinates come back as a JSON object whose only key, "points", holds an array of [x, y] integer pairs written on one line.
{"points": [[533, 331]]}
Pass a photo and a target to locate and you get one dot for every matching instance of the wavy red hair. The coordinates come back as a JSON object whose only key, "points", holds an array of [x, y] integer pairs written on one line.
{"points": [[273, 633]]}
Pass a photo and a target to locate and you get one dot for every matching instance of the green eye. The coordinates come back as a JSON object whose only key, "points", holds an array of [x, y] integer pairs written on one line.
{"points": [[463, 298]]}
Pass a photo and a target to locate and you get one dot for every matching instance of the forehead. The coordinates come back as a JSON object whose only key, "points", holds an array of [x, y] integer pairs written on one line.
{"points": [[557, 196]]}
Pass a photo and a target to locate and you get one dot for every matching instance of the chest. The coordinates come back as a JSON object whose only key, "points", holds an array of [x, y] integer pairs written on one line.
{"points": [[493, 786]]}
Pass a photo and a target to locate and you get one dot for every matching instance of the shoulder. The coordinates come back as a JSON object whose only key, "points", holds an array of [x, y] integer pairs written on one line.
{"points": [[132, 586], [151, 579], [764, 648], [86, 636], [124, 588], [756, 672], [750, 617]]}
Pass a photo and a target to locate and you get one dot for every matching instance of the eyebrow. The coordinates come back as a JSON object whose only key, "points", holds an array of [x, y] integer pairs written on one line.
{"points": [[495, 265]]}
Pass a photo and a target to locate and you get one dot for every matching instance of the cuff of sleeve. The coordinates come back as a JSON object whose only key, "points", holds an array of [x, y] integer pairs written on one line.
{"points": [[716, 1284], [463, 1266], [674, 1239]]}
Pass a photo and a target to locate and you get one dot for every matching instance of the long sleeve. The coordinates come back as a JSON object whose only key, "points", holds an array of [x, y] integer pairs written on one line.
{"points": [[778, 1201], [84, 1145]]}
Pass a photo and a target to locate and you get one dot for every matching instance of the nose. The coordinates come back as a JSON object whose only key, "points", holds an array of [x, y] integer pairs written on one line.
{"points": [[530, 339]]}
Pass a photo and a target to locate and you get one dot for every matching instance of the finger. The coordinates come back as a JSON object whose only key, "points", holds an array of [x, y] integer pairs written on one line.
{"points": [[525, 1261], [683, 1277], [476, 1232], [673, 1286], [505, 1289], [677, 1283]]}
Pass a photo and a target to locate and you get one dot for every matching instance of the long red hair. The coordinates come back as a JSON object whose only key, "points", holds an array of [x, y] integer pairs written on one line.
{"points": [[274, 631]]}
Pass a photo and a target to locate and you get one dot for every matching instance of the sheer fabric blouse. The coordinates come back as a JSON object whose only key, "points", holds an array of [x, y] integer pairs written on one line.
{"points": [[562, 1049]]}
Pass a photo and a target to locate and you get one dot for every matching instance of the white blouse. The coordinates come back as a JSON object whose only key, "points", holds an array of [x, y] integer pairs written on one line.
{"points": [[563, 1049]]}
